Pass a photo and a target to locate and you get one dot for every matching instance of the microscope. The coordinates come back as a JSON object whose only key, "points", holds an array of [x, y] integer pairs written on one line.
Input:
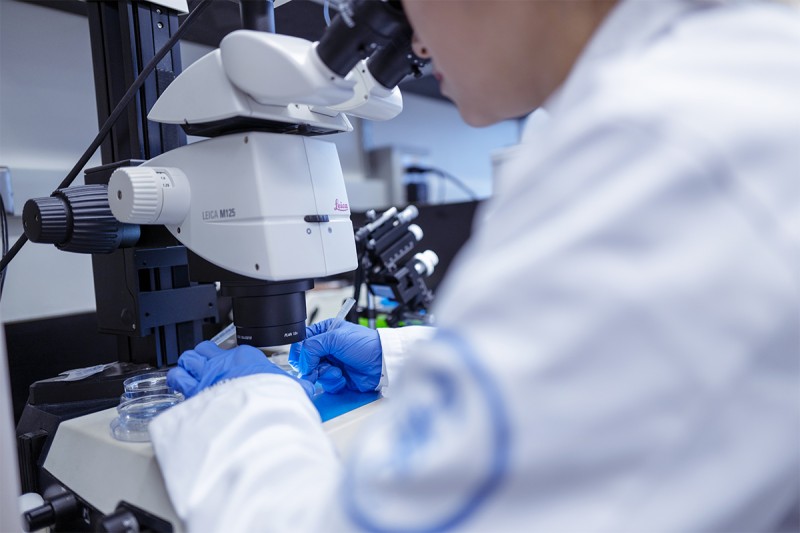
{"points": [[260, 206]]}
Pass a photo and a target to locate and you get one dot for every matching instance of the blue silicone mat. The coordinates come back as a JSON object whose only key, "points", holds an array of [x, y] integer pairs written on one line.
{"points": [[333, 405]]}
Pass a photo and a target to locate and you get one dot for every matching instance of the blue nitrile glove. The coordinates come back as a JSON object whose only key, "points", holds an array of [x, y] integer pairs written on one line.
{"points": [[348, 356], [208, 364]]}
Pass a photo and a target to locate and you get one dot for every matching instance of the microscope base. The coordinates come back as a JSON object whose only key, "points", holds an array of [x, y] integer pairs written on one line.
{"points": [[102, 471]]}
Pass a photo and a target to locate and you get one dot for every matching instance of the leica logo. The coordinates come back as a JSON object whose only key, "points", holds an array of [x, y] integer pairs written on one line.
{"points": [[341, 206]]}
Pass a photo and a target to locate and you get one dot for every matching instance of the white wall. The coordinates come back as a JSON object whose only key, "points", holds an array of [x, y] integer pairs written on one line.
{"points": [[48, 117], [435, 127]]}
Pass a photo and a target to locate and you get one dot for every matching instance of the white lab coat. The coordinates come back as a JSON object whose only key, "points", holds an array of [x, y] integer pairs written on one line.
{"points": [[618, 345]]}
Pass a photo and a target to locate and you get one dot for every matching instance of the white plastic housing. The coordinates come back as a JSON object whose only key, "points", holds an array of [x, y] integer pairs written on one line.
{"points": [[203, 93], [273, 77], [279, 69], [370, 100], [254, 198]]}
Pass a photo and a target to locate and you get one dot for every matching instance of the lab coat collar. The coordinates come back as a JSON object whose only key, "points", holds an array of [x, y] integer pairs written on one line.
{"points": [[629, 25]]}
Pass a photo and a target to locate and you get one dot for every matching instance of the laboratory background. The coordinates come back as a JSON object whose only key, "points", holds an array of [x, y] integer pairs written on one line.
{"points": [[49, 115]]}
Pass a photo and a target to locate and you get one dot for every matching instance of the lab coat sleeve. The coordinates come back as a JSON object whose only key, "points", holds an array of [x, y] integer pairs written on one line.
{"points": [[245, 455], [396, 344]]}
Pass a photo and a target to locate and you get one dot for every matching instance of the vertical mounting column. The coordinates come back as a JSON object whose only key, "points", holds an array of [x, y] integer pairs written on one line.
{"points": [[125, 35], [143, 294]]}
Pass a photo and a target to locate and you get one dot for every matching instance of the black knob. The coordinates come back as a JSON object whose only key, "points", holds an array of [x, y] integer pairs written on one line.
{"points": [[121, 521], [58, 509], [46, 220], [39, 517], [77, 219]]}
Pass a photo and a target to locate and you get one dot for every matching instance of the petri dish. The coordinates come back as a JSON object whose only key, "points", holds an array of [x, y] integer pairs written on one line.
{"points": [[135, 415], [145, 396], [146, 384]]}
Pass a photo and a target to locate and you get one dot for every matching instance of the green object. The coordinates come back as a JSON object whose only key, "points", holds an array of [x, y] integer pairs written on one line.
{"points": [[380, 322]]}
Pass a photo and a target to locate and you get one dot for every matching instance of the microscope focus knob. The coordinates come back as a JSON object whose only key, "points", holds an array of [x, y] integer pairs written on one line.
{"points": [[149, 195], [77, 219], [46, 220]]}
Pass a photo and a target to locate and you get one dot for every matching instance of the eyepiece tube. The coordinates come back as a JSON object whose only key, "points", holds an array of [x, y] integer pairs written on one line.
{"points": [[258, 15], [395, 61], [360, 28]]}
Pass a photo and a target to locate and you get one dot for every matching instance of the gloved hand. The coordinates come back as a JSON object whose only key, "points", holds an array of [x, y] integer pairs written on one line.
{"points": [[348, 356], [208, 364]]}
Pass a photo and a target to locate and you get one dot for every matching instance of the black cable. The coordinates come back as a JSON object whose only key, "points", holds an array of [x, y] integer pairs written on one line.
{"points": [[4, 237], [4, 222], [113, 117], [414, 169], [472, 195], [358, 278]]}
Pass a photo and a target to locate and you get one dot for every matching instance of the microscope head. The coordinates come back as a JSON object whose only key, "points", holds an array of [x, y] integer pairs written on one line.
{"points": [[264, 208]]}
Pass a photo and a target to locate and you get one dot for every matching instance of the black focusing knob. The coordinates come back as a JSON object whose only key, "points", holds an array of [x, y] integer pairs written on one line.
{"points": [[39, 517], [77, 219], [46, 220], [122, 521], [59, 509]]}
